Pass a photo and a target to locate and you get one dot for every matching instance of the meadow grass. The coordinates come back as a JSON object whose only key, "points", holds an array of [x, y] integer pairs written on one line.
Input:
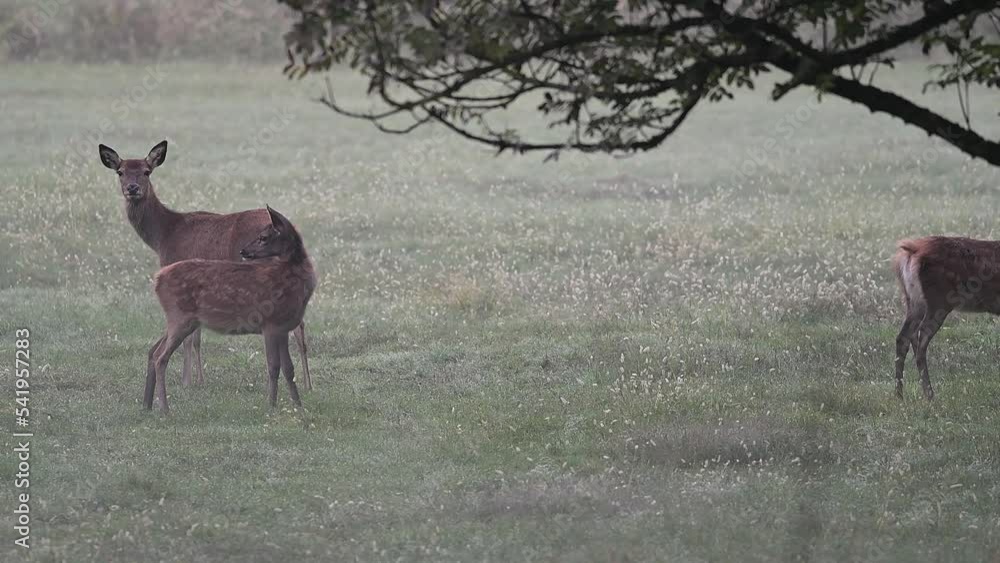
{"points": [[681, 356]]}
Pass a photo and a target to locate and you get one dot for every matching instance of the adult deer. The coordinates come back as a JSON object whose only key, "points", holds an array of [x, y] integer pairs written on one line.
{"points": [[176, 236], [259, 296], [938, 275]]}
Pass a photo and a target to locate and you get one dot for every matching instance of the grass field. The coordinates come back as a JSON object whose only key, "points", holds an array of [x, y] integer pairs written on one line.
{"points": [[681, 356]]}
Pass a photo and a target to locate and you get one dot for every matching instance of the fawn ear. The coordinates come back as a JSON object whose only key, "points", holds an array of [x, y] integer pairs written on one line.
{"points": [[109, 157], [277, 219], [157, 154]]}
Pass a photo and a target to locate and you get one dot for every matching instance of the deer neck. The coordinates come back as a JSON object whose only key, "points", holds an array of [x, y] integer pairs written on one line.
{"points": [[151, 219], [298, 257], [300, 265], [303, 268]]}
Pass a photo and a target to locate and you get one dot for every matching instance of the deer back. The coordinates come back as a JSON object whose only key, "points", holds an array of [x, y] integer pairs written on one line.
{"points": [[959, 273], [236, 297], [211, 236]]}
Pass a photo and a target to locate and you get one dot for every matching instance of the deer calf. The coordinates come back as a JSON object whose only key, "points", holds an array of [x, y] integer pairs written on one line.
{"points": [[938, 275], [266, 294]]}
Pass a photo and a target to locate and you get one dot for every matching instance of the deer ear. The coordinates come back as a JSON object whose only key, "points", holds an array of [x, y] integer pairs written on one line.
{"points": [[277, 219], [109, 157], [157, 154]]}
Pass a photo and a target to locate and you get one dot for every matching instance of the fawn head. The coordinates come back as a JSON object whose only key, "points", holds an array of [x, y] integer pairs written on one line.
{"points": [[133, 173], [278, 239]]}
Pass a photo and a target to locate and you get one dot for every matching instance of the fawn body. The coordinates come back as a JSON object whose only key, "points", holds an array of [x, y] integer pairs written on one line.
{"points": [[938, 275], [176, 236], [265, 295]]}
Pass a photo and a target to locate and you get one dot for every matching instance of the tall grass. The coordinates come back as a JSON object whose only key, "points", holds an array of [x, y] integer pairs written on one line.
{"points": [[671, 357]]}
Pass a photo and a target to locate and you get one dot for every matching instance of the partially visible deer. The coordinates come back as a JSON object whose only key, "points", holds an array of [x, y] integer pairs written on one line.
{"points": [[938, 275], [263, 295], [178, 236]]}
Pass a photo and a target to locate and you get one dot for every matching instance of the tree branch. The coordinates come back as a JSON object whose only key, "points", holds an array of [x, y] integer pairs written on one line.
{"points": [[878, 100], [615, 86]]}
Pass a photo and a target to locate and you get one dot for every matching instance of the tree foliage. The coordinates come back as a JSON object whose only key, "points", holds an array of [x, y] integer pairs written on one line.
{"points": [[621, 76]]}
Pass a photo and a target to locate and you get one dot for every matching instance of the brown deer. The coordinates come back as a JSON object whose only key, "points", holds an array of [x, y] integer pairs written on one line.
{"points": [[178, 236], [265, 295], [938, 275]]}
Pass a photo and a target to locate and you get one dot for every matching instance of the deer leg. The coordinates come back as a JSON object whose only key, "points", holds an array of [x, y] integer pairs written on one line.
{"points": [[289, 370], [147, 396], [171, 342], [928, 328], [188, 359], [904, 340], [199, 367], [300, 339], [272, 352]]}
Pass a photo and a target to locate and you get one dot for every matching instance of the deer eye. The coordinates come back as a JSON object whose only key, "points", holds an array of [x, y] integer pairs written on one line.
{"points": [[148, 172], [120, 173]]}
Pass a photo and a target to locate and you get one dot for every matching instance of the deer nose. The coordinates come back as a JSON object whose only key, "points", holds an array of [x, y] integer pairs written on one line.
{"points": [[243, 253], [133, 189]]}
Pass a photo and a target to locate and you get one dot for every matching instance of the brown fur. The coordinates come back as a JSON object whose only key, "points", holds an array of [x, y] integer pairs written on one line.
{"points": [[938, 275], [266, 295], [178, 236]]}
